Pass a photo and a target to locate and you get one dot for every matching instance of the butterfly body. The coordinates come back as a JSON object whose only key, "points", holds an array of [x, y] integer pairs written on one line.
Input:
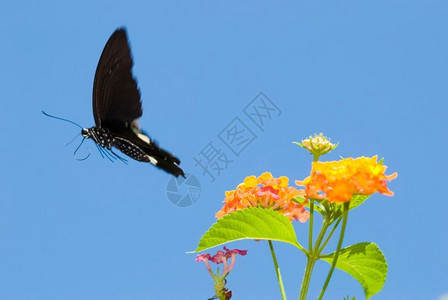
{"points": [[130, 141], [117, 108]]}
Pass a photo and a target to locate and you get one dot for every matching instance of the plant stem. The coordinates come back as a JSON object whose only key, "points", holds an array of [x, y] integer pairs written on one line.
{"points": [[310, 226], [329, 235], [312, 257], [320, 237], [277, 270], [338, 249], [307, 277]]}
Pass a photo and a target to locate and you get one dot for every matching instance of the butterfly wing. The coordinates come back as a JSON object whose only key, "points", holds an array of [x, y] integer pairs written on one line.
{"points": [[117, 106], [115, 92]]}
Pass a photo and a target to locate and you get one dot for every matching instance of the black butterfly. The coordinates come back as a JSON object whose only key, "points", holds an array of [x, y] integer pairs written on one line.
{"points": [[117, 107]]}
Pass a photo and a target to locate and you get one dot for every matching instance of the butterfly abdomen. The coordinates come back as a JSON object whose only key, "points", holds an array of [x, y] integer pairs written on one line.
{"points": [[133, 151]]}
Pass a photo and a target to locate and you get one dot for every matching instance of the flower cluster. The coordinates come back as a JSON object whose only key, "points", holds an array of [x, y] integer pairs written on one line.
{"points": [[268, 192], [338, 181], [317, 145], [221, 292], [221, 257]]}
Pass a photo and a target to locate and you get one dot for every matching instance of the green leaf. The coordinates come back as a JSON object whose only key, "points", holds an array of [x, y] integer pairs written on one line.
{"points": [[366, 263], [302, 200], [355, 201], [250, 223], [358, 200]]}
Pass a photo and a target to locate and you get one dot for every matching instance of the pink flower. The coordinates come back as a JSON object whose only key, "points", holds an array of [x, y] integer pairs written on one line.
{"points": [[240, 252], [268, 191], [205, 258], [221, 257]]}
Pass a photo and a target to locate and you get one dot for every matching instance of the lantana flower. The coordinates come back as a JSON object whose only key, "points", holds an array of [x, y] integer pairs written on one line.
{"points": [[338, 181], [221, 257], [317, 145], [268, 192]]}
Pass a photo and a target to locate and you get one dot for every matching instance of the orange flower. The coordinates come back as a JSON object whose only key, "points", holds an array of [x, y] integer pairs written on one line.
{"points": [[268, 192], [338, 181]]}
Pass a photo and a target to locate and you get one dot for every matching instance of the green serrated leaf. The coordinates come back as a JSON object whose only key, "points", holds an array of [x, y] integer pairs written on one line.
{"points": [[250, 223], [366, 263], [355, 201], [358, 200]]}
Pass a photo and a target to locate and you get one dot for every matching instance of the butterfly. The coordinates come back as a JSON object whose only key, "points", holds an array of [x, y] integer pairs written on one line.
{"points": [[117, 107]]}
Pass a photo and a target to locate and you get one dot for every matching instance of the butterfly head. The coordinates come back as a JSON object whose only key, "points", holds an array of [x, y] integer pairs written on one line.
{"points": [[86, 133]]}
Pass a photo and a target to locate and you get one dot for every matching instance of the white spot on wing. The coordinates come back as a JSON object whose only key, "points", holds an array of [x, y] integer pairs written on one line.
{"points": [[152, 160], [144, 138]]}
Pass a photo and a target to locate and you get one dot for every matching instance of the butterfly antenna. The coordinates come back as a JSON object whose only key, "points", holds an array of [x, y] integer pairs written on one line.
{"points": [[71, 141], [62, 119], [74, 153]]}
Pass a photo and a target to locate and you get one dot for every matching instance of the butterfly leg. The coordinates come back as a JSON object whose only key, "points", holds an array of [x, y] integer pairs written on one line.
{"points": [[104, 153], [119, 157]]}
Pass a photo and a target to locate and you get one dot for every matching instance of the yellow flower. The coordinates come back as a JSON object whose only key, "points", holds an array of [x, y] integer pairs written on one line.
{"points": [[249, 182], [338, 181], [268, 192]]}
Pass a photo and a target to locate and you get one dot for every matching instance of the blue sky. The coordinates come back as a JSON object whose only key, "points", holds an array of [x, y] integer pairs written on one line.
{"points": [[369, 74]]}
